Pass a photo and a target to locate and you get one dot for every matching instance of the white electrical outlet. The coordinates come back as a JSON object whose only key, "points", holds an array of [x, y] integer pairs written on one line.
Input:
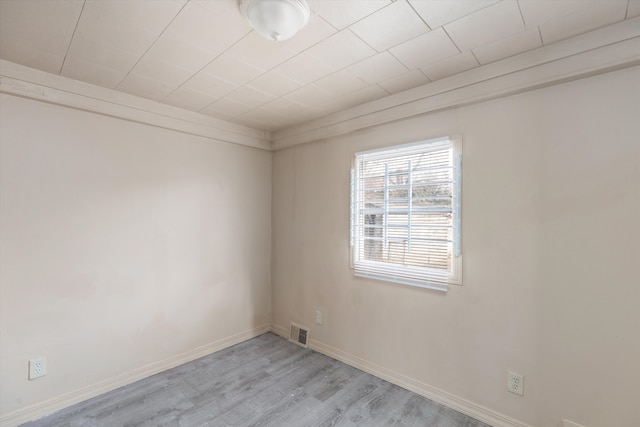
{"points": [[318, 317], [515, 383], [37, 368]]}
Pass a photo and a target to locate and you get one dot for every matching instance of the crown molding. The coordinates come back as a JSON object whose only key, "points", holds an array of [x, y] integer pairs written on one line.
{"points": [[38, 85], [607, 49], [600, 51]]}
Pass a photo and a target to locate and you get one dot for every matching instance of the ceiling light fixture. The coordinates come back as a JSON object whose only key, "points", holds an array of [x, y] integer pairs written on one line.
{"points": [[276, 20]]}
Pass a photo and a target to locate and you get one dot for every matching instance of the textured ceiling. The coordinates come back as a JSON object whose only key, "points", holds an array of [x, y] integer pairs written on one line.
{"points": [[202, 56]]}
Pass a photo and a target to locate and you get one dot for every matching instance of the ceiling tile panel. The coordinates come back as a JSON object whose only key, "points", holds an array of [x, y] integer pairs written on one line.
{"points": [[250, 96], [108, 28], [351, 99], [341, 13], [521, 42], [91, 72], [274, 83], [211, 84], [227, 108], [37, 33], [170, 74], [232, 69], [390, 26], [109, 37], [536, 12], [314, 32], [310, 95], [286, 107], [189, 43], [633, 9], [24, 52], [377, 68], [101, 54], [450, 66], [408, 80], [146, 87], [486, 25], [426, 49], [174, 52], [341, 50], [255, 50], [148, 15], [591, 16], [205, 29], [439, 12], [340, 82], [226, 11], [186, 98], [304, 68]]}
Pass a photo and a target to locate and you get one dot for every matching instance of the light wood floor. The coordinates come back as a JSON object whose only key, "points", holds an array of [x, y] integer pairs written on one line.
{"points": [[266, 381]]}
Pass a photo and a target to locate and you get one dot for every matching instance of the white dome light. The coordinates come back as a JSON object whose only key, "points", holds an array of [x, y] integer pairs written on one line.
{"points": [[276, 19]]}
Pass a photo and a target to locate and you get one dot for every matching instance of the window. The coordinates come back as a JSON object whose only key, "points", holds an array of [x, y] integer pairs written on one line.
{"points": [[405, 213]]}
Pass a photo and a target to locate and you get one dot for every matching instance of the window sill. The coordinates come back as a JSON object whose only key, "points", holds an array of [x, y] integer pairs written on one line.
{"points": [[432, 285]]}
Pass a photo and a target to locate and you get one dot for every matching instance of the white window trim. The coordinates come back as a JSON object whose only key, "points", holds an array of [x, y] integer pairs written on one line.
{"points": [[406, 275]]}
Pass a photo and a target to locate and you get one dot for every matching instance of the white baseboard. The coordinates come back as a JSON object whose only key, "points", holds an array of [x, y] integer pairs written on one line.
{"points": [[464, 406], [280, 330], [50, 406]]}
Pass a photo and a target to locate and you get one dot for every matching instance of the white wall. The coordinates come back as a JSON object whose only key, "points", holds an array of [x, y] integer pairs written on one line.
{"points": [[551, 245], [122, 246]]}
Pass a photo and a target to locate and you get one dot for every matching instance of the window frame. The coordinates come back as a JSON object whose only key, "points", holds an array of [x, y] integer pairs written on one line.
{"points": [[430, 278]]}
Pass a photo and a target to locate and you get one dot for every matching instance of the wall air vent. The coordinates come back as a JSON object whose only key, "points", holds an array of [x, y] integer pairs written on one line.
{"points": [[299, 335]]}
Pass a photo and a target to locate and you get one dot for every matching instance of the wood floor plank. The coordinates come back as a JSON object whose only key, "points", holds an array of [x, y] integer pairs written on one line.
{"points": [[263, 382]]}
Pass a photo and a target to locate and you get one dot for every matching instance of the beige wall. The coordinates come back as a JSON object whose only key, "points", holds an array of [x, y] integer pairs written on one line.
{"points": [[118, 251], [122, 245], [551, 245]]}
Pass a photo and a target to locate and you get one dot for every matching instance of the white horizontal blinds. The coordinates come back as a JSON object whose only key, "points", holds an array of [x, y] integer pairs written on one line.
{"points": [[403, 207]]}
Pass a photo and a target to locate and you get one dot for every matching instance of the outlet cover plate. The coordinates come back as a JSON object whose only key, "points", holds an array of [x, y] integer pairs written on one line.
{"points": [[515, 383], [37, 368]]}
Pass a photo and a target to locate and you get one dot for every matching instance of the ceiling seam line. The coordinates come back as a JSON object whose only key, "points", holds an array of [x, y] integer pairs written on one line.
{"points": [[64, 60], [303, 85], [419, 16], [205, 66], [540, 35], [626, 12], [269, 70], [524, 24], [152, 44], [304, 51], [451, 39], [475, 57]]}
